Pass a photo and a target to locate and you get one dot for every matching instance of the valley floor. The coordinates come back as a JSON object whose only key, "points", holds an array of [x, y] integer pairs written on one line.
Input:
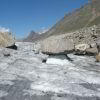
{"points": [[23, 76]]}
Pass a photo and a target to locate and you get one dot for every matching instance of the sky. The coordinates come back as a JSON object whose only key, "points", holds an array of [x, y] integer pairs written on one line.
{"points": [[22, 16]]}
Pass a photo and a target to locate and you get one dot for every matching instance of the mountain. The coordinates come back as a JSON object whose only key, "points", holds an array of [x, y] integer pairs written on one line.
{"points": [[31, 37], [86, 16]]}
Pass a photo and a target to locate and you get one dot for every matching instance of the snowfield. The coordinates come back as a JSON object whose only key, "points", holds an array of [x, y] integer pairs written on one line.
{"points": [[23, 76]]}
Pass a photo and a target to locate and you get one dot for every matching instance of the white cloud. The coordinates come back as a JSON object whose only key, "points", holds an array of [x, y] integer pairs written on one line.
{"points": [[3, 29]]}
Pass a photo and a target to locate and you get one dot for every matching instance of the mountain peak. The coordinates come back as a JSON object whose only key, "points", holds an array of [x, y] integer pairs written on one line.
{"points": [[32, 35]]}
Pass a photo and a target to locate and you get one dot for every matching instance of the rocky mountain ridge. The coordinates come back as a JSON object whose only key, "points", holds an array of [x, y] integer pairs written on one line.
{"points": [[86, 16]]}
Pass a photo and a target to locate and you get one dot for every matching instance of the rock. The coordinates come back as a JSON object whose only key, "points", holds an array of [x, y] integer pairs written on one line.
{"points": [[92, 51], [13, 47], [6, 53], [42, 57], [83, 36], [98, 57], [36, 48], [44, 60], [57, 45], [6, 39], [93, 45], [82, 47]]}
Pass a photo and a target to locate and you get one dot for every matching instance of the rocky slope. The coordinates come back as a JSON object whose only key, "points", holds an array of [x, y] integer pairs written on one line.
{"points": [[86, 16], [23, 76], [85, 39]]}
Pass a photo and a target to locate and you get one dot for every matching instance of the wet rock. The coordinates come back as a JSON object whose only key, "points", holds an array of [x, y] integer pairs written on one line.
{"points": [[44, 60]]}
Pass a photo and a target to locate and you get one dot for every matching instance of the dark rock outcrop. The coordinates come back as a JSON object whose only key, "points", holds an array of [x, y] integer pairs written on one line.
{"points": [[13, 47]]}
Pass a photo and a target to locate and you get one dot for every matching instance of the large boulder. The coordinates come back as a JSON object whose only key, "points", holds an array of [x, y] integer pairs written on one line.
{"points": [[92, 51], [86, 49], [6, 39], [57, 45]]}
